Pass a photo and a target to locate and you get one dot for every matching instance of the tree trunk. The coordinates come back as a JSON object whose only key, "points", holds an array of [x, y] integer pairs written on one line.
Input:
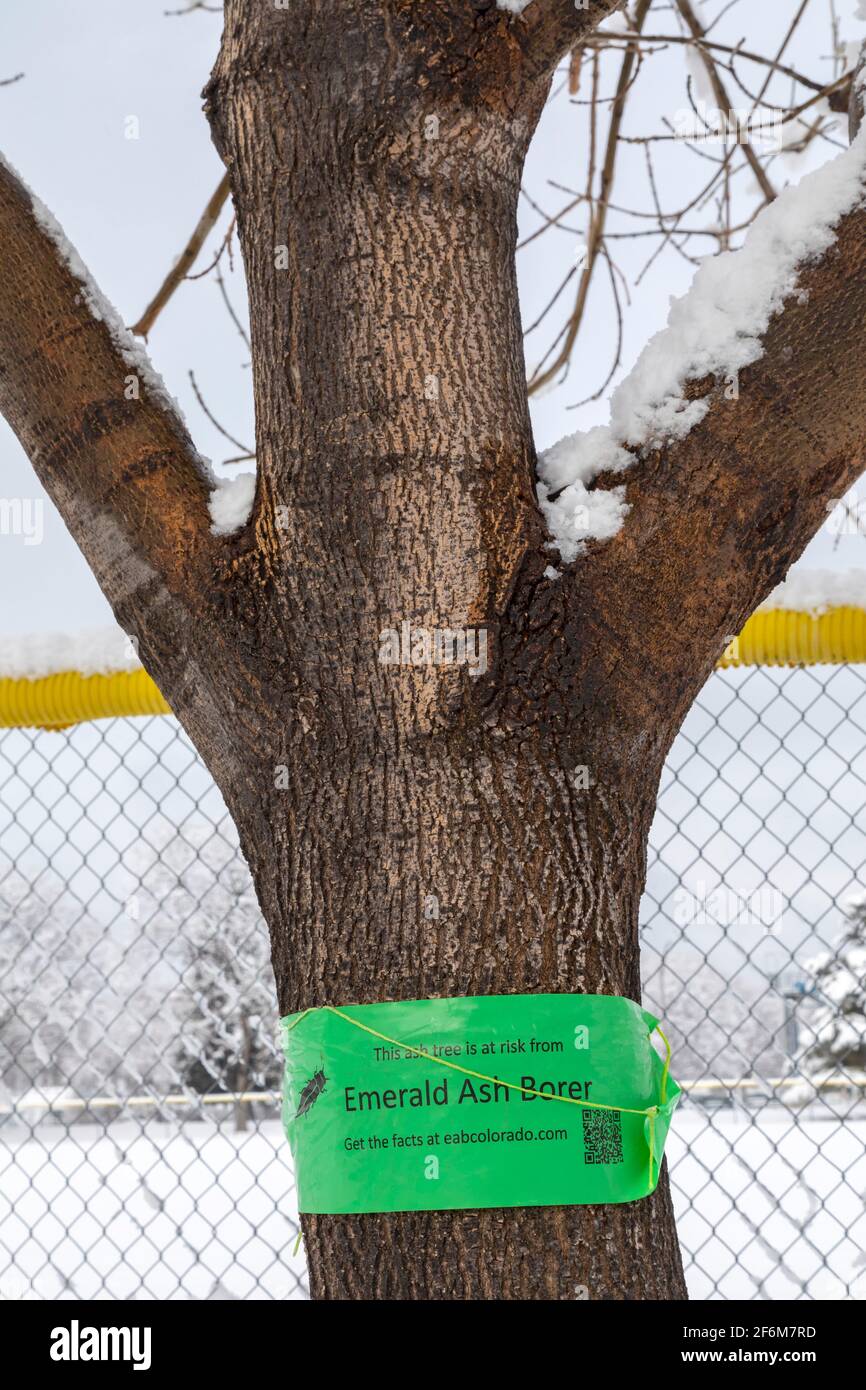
{"points": [[536, 886], [409, 838]]}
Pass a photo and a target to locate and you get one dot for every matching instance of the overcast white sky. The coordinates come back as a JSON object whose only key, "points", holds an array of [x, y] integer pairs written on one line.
{"points": [[129, 205]]}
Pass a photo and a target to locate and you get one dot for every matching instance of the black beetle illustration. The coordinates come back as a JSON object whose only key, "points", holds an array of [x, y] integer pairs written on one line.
{"points": [[311, 1092]]}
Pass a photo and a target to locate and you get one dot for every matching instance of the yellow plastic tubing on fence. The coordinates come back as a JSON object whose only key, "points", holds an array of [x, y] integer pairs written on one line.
{"points": [[777, 638], [782, 637], [68, 698]]}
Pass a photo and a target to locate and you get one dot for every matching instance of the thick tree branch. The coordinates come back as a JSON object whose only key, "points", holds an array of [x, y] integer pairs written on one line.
{"points": [[549, 29], [104, 437], [716, 519]]}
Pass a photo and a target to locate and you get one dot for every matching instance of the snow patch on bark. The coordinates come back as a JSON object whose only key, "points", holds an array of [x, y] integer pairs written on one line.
{"points": [[231, 503], [101, 651], [815, 591], [715, 329]]}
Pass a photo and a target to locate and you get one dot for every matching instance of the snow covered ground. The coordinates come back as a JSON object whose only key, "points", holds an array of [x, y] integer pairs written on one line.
{"points": [[769, 1207], [157, 1211]]}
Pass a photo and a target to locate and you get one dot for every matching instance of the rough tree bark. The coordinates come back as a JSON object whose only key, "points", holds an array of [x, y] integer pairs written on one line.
{"points": [[374, 149]]}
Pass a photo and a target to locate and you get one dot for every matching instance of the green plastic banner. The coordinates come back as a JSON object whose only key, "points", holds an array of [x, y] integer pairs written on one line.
{"points": [[499, 1101]]}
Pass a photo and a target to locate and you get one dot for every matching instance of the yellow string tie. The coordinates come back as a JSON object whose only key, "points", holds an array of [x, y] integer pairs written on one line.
{"points": [[667, 1067]]}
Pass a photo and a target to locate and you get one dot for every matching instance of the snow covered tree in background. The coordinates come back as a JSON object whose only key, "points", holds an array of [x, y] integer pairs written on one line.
{"points": [[86, 1007], [45, 964], [374, 150], [835, 1024], [223, 999], [91, 1007]]}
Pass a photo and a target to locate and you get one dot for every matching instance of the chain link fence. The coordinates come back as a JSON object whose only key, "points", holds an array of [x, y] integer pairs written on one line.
{"points": [[141, 1151]]}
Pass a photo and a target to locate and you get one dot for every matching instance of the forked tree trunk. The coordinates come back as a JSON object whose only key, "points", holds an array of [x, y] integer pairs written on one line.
{"points": [[416, 831]]}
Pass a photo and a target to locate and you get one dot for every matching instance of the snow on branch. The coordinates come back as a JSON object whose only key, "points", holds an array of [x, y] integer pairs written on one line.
{"points": [[715, 329], [231, 503], [131, 352]]}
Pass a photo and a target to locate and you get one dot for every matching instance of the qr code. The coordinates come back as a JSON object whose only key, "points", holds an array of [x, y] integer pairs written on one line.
{"points": [[602, 1136]]}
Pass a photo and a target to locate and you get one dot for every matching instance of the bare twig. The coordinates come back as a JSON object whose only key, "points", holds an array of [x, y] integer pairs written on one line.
{"points": [[736, 51], [225, 245], [230, 309], [696, 28], [185, 260], [595, 239], [246, 452]]}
